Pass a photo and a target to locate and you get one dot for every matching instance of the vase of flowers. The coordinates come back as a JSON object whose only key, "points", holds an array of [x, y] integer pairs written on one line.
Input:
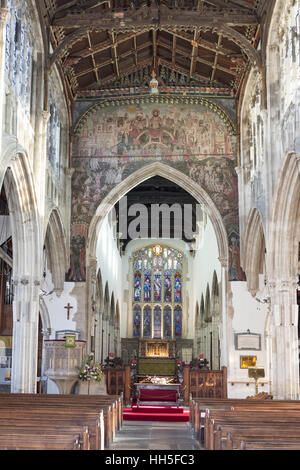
{"points": [[90, 371]]}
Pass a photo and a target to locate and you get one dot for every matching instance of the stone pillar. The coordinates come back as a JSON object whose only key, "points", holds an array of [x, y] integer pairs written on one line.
{"points": [[4, 16], [25, 336], [285, 355], [224, 313]]}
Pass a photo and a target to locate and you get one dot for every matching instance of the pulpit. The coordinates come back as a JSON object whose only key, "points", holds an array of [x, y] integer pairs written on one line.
{"points": [[62, 362]]}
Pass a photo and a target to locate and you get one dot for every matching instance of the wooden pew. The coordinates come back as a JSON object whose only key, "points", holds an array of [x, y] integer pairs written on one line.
{"points": [[46, 438], [96, 411], [268, 429], [198, 407], [270, 415]]}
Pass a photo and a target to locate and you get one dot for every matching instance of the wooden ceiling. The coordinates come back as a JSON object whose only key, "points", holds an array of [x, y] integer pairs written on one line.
{"points": [[104, 46]]}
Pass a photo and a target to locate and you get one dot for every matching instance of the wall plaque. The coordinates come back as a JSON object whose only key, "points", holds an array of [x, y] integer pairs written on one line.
{"points": [[248, 341]]}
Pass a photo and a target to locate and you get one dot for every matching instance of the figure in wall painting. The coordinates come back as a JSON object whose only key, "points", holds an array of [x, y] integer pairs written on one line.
{"points": [[77, 272], [167, 322], [147, 328], [137, 321], [235, 271], [147, 287], [137, 287], [168, 287]]}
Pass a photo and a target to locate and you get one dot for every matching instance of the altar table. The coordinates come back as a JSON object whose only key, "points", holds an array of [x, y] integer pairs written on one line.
{"points": [[157, 394]]}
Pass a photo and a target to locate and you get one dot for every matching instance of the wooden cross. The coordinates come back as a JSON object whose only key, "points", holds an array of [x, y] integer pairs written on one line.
{"points": [[68, 307]]}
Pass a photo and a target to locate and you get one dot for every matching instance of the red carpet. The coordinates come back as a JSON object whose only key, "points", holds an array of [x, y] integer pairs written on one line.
{"points": [[156, 413]]}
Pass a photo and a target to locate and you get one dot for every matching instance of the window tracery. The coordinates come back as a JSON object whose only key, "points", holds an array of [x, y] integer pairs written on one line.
{"points": [[157, 292], [19, 54]]}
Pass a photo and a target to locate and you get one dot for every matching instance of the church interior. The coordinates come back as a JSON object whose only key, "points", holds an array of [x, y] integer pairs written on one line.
{"points": [[149, 214]]}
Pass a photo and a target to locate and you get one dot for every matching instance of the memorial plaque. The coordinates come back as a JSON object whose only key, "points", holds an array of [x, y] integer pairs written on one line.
{"points": [[248, 341]]}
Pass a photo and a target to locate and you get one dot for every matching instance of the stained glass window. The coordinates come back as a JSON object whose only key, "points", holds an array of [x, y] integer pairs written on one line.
{"points": [[177, 287], [147, 328], [137, 316], [158, 291], [168, 286], [147, 287], [157, 287], [138, 287], [177, 322], [157, 321], [167, 322]]}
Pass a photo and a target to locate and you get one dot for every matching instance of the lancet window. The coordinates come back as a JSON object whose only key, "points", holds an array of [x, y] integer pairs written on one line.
{"points": [[157, 292]]}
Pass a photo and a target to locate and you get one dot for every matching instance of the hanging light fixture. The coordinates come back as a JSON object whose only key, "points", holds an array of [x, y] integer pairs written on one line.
{"points": [[154, 84]]}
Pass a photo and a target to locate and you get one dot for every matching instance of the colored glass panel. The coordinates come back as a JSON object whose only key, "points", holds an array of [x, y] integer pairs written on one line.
{"points": [[147, 287], [168, 287], [177, 288], [137, 314], [138, 287], [178, 322], [157, 288], [147, 326], [167, 322], [157, 322]]}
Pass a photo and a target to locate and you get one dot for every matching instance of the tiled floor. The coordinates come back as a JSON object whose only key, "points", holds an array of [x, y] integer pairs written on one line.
{"points": [[136, 435]]}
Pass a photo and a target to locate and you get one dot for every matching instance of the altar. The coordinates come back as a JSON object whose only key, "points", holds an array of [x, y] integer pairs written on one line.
{"points": [[158, 394]]}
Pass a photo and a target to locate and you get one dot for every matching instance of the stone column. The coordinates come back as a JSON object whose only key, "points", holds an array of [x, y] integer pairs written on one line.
{"points": [[4, 16], [285, 355], [224, 312], [25, 336]]}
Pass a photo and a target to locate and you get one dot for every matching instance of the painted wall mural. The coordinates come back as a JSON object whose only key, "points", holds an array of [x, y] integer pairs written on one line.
{"points": [[113, 139]]}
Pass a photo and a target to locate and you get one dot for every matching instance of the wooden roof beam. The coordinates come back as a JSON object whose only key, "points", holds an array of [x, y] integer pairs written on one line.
{"points": [[111, 61], [216, 58], [151, 18], [115, 54], [194, 52]]}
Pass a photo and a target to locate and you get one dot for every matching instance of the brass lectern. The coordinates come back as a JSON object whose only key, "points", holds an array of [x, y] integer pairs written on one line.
{"points": [[256, 373]]}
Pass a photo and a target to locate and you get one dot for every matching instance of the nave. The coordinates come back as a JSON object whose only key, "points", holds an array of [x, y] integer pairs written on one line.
{"points": [[147, 436]]}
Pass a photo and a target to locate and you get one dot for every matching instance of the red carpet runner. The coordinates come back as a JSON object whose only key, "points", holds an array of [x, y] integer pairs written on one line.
{"points": [[156, 413]]}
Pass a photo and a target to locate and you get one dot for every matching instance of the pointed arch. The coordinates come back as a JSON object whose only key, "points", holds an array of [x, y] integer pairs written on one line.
{"points": [[112, 308], [56, 248], [171, 174], [207, 305], [284, 235], [254, 249], [202, 309], [106, 302], [99, 292], [215, 285]]}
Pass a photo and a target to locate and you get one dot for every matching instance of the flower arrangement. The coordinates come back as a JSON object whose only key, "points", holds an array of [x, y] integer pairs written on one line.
{"points": [[90, 371]]}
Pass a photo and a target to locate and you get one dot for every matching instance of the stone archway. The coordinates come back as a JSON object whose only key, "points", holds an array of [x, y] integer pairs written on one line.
{"points": [[165, 171], [55, 243], [253, 253], [282, 271], [16, 175], [170, 173]]}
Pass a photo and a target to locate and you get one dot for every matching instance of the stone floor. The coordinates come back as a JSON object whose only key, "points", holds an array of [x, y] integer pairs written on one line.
{"points": [[150, 435]]}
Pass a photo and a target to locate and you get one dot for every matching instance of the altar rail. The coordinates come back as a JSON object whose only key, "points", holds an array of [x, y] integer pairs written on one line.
{"points": [[200, 383]]}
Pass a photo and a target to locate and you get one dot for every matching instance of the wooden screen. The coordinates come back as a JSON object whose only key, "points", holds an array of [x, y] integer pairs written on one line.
{"points": [[205, 383]]}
